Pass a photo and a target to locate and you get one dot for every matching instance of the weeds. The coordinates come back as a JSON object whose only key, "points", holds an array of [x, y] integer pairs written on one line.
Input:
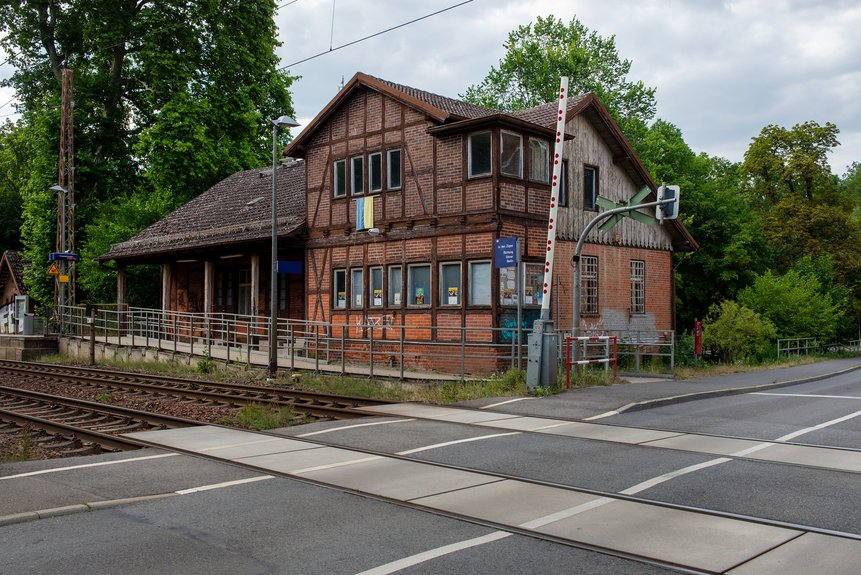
{"points": [[103, 397], [23, 454], [261, 417]]}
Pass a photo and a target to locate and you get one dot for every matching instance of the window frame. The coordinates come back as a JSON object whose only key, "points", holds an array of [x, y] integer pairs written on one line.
{"points": [[354, 189], [283, 292], [372, 285], [472, 283], [563, 185], [395, 289], [412, 297], [546, 150], [389, 172], [594, 200], [470, 154], [589, 286], [357, 291], [342, 272], [519, 149], [339, 182], [444, 293], [379, 157], [638, 287], [243, 293]]}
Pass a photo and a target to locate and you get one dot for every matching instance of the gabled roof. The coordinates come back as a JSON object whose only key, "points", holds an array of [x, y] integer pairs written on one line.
{"points": [[237, 209], [12, 269]]}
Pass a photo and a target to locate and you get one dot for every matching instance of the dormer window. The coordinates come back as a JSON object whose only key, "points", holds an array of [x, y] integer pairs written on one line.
{"points": [[511, 154], [479, 146]]}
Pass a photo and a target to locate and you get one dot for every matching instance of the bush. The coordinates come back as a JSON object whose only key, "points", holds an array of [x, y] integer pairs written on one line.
{"points": [[734, 332]]}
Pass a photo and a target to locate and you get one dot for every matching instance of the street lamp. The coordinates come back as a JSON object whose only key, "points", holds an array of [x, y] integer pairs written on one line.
{"points": [[60, 296], [273, 288]]}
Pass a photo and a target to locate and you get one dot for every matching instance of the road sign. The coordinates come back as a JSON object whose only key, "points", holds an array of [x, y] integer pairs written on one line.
{"points": [[634, 200], [53, 270], [67, 256], [63, 279], [505, 253]]}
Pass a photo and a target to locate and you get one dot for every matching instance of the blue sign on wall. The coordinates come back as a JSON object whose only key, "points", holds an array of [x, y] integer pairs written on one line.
{"points": [[289, 267], [506, 253]]}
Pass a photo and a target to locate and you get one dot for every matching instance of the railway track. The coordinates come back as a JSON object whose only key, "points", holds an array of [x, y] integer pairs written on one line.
{"points": [[316, 404], [75, 427]]}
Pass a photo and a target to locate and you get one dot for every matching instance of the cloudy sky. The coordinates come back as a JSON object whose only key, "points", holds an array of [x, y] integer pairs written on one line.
{"points": [[723, 70]]}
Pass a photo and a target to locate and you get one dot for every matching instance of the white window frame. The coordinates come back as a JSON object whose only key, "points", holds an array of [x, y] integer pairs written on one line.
{"points": [[395, 295], [412, 299], [475, 282], [446, 298], [357, 288], [379, 158], [390, 173], [539, 157], [375, 282], [503, 153], [357, 188], [594, 198], [342, 273], [638, 287], [589, 286], [339, 182], [470, 154]]}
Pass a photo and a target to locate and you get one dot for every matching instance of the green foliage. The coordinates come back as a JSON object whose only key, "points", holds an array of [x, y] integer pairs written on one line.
{"points": [[262, 417], [795, 303], [734, 332], [538, 53], [170, 97]]}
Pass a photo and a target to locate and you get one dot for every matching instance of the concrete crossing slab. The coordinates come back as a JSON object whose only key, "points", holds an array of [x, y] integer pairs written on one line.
{"points": [[508, 502], [705, 444], [298, 462], [196, 438], [264, 446], [600, 432], [705, 542], [818, 456], [398, 479], [521, 423], [411, 410], [810, 553], [473, 416]]}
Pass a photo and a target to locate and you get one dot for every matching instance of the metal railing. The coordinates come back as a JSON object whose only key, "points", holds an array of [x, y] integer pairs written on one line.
{"points": [[797, 345], [641, 352], [593, 349]]}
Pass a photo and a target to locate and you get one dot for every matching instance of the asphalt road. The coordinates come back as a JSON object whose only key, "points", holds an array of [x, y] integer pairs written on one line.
{"points": [[261, 523]]}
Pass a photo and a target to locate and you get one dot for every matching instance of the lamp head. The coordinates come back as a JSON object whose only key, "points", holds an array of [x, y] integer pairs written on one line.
{"points": [[375, 232], [58, 188], [285, 121]]}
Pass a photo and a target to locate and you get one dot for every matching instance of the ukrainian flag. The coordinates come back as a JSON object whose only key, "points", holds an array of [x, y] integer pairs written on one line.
{"points": [[364, 213]]}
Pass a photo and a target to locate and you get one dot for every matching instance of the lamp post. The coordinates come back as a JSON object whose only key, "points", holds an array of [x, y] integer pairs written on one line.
{"points": [[273, 288], [60, 295]]}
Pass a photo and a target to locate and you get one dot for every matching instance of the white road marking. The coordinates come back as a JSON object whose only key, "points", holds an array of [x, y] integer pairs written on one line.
{"points": [[566, 513], [806, 395], [334, 465], [332, 429], [225, 484], [793, 435], [240, 444], [395, 566], [649, 483], [85, 465], [601, 416], [455, 442], [492, 405]]}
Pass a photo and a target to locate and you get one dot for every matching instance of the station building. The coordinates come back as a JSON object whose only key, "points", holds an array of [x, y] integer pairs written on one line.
{"points": [[388, 214]]}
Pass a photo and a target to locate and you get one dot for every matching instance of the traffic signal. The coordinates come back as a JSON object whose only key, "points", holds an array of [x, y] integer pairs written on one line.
{"points": [[669, 210]]}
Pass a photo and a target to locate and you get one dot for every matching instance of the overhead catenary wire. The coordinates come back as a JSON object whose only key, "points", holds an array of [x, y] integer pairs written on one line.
{"points": [[381, 32]]}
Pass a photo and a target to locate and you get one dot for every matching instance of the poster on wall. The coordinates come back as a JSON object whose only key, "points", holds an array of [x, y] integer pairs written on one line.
{"points": [[420, 296], [452, 296], [378, 297], [342, 299], [527, 296]]}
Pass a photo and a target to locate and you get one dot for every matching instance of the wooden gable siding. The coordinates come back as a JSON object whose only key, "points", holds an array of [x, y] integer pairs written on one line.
{"points": [[588, 148]]}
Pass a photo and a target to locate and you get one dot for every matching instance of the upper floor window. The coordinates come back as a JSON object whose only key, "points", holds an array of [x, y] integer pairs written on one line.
{"points": [[539, 161], [393, 163], [563, 184], [511, 154], [478, 150], [357, 178], [339, 179], [375, 172], [590, 187], [638, 286]]}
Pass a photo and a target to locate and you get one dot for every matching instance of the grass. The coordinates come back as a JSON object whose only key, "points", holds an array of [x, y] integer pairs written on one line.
{"points": [[261, 417], [23, 454], [714, 369]]}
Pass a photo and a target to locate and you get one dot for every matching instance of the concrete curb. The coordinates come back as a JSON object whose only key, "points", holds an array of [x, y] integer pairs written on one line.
{"points": [[78, 508], [674, 399]]}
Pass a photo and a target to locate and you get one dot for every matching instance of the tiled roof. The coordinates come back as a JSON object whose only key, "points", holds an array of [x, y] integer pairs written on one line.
{"points": [[16, 266], [446, 104], [236, 209], [545, 114]]}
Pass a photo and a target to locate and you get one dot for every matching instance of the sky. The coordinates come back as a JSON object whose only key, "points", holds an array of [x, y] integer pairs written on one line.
{"points": [[722, 70]]}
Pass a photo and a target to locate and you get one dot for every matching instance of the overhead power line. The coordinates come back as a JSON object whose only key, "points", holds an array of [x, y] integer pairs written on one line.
{"points": [[375, 34]]}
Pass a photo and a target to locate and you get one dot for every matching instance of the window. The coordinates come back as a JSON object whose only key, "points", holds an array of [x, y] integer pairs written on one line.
{"points": [[533, 284], [282, 291], [479, 154], [244, 292], [418, 284], [511, 154], [357, 175], [375, 286], [589, 285], [563, 185], [375, 172], [638, 286], [339, 179], [539, 161], [393, 163], [449, 284], [357, 285], [395, 286], [340, 289], [590, 187], [479, 283]]}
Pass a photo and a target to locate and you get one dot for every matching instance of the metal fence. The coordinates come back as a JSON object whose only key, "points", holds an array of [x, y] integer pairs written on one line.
{"points": [[807, 345], [369, 347]]}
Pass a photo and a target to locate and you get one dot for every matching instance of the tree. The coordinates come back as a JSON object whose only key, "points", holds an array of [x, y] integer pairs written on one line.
{"points": [[538, 54], [15, 151], [170, 97], [734, 332]]}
